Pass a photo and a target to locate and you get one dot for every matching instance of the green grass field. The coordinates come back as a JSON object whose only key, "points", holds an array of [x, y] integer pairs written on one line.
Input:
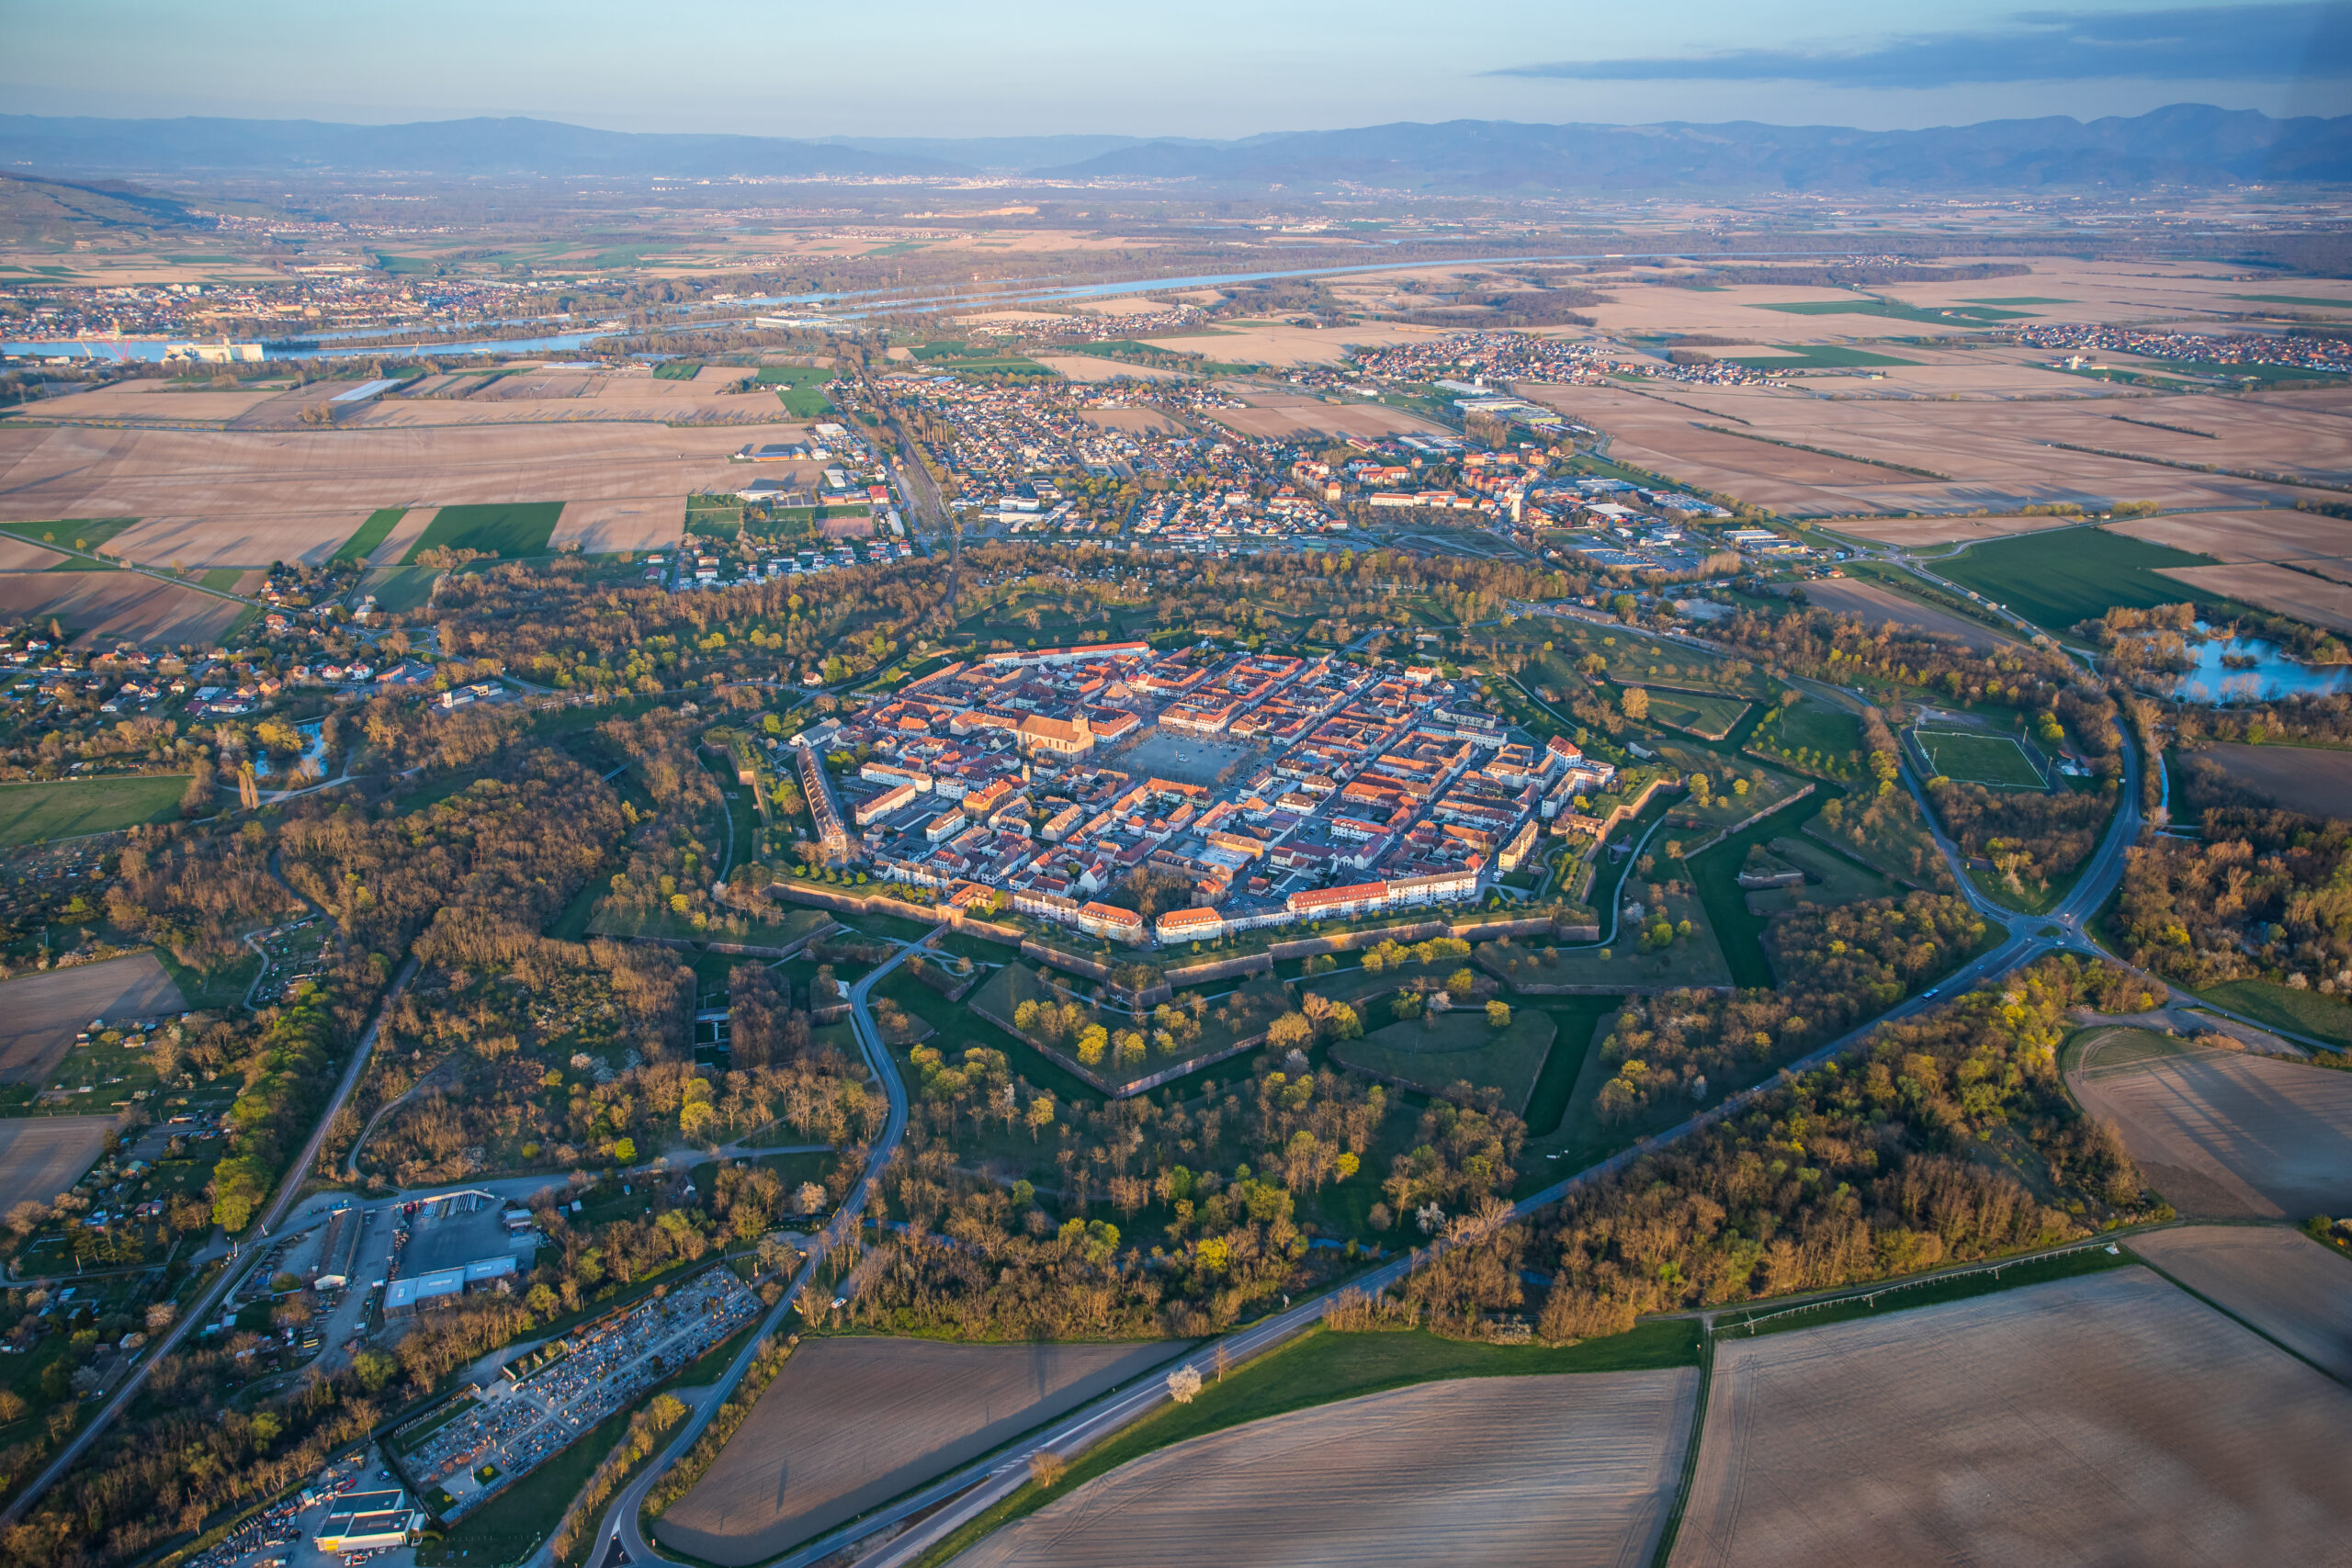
{"points": [[1930, 1292], [399, 589], [1972, 758], [2322, 1018], [65, 810], [1895, 310], [73, 533], [509, 530], [2295, 300], [677, 370], [1322, 1368], [224, 577], [1433, 1053], [1813, 356], [372, 533], [1842, 881], [2059, 580], [1711, 718]]}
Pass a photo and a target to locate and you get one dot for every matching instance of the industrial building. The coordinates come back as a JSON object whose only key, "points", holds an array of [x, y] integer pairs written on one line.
{"points": [[340, 1248], [452, 1244], [370, 1521]]}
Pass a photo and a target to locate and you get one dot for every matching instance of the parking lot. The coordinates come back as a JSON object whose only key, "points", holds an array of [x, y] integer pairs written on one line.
{"points": [[518, 1426]]}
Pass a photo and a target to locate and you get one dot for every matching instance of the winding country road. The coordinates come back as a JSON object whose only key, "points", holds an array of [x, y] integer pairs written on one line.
{"points": [[620, 1529]]}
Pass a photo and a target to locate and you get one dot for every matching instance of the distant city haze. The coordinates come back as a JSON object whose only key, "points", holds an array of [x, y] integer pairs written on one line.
{"points": [[1218, 68]]}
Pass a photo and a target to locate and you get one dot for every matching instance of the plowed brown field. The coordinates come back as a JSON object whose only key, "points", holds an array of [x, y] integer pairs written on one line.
{"points": [[39, 1013], [852, 1423], [2301, 778], [40, 1156], [2284, 1283], [2227, 1135], [1572, 1471], [2106, 1419], [117, 606]]}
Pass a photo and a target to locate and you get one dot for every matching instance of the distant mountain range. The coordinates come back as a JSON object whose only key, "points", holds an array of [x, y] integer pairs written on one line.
{"points": [[2187, 144]]}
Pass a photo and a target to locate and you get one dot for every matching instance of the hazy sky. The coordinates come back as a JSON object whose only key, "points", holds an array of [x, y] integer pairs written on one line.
{"points": [[1216, 68]]}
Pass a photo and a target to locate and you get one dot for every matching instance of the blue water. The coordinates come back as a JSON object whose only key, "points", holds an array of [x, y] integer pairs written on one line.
{"points": [[2274, 675]]}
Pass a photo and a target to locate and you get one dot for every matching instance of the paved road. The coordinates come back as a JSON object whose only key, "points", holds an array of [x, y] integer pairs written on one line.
{"points": [[207, 1303], [620, 1525]]}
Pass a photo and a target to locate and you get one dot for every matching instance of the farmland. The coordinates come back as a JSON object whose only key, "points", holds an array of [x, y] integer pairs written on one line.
{"points": [[2300, 778], [371, 534], [2284, 1284], [119, 606], [41, 1157], [850, 1422], [1924, 1437], [1433, 1053], [33, 812], [1414, 1474], [2058, 581], [2222, 1133], [39, 1013], [1878, 607], [510, 531], [1973, 757]]}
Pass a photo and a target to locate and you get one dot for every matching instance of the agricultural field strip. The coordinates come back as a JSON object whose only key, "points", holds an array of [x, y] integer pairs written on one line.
{"points": [[1569, 1468], [854, 1422], [2227, 1134], [1819, 1444], [2281, 1283]]}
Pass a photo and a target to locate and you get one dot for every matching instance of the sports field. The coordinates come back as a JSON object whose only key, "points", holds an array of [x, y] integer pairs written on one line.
{"points": [[65, 810], [1973, 758], [510, 531], [2060, 580]]}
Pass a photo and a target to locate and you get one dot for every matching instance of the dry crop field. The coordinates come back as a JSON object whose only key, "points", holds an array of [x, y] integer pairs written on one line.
{"points": [[569, 396], [2290, 592], [1280, 344], [2283, 1281], [850, 1422], [39, 1013], [2301, 778], [2108, 1418], [1576, 1470], [1995, 457], [1876, 606], [2225, 1135], [1912, 532], [1088, 368], [119, 607], [632, 523], [2235, 537], [1284, 417], [40, 1156], [154, 402], [241, 538], [238, 480]]}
